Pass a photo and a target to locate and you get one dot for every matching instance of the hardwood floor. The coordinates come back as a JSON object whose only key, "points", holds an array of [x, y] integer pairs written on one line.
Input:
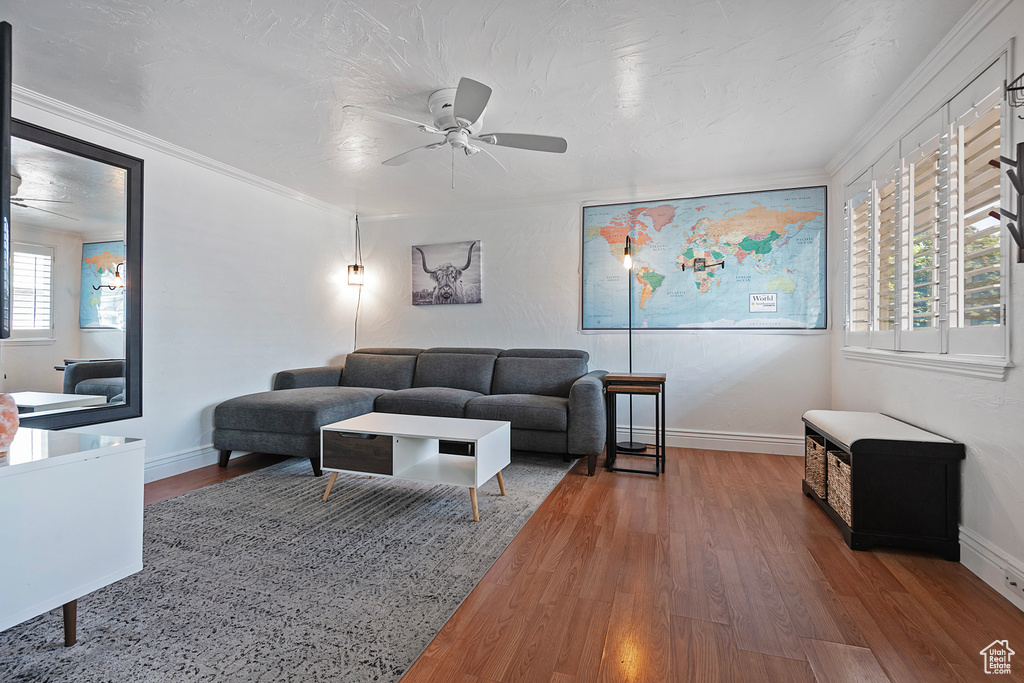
{"points": [[720, 570]]}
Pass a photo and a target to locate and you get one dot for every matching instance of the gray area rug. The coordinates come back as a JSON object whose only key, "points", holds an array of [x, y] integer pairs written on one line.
{"points": [[256, 579]]}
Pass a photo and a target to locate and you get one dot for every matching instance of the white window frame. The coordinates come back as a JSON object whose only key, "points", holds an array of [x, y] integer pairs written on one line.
{"points": [[35, 335], [942, 348]]}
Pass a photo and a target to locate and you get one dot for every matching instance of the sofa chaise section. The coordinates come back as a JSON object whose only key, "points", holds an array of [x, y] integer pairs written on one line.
{"points": [[287, 420]]}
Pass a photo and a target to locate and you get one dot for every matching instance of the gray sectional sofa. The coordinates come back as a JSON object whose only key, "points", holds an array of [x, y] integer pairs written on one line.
{"points": [[552, 400]]}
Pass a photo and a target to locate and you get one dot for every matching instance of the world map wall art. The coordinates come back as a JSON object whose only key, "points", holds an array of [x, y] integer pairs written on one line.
{"points": [[103, 277], [751, 260]]}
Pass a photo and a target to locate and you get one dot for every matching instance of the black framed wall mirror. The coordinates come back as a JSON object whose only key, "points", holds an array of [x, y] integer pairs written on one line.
{"points": [[74, 356]]}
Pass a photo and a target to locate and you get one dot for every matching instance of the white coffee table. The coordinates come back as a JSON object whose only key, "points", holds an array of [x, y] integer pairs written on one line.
{"points": [[409, 447]]}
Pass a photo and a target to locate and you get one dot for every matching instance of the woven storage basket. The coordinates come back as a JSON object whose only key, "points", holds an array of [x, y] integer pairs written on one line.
{"points": [[839, 485], [814, 465]]}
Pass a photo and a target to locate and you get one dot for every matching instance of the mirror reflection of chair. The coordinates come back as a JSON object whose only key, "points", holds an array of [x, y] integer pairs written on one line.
{"points": [[95, 377]]}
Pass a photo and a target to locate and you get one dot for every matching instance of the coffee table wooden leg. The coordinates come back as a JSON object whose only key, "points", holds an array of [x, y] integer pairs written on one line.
{"points": [[501, 484], [476, 509], [330, 485], [70, 623]]}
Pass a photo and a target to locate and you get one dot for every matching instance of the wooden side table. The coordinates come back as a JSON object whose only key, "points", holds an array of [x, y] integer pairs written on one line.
{"points": [[634, 383]]}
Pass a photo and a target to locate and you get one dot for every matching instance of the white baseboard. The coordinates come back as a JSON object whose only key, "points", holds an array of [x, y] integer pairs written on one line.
{"points": [[989, 562], [183, 461], [722, 441]]}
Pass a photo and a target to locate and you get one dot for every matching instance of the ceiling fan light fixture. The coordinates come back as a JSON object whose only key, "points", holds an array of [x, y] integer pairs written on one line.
{"points": [[15, 182]]}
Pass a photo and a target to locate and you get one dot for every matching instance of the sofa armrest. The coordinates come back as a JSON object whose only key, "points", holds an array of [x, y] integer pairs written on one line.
{"points": [[324, 376], [587, 426], [78, 372]]}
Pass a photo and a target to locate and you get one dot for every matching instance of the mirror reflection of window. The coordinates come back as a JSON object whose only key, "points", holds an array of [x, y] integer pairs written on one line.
{"points": [[32, 295]]}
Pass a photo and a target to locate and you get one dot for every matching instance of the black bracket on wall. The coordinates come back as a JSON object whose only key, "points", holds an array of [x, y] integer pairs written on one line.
{"points": [[702, 264], [1016, 175]]}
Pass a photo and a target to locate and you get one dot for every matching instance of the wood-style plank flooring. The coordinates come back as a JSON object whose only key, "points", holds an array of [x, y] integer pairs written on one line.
{"points": [[719, 570]]}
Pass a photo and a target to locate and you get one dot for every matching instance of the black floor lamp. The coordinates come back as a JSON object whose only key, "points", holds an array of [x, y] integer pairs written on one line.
{"points": [[630, 446]]}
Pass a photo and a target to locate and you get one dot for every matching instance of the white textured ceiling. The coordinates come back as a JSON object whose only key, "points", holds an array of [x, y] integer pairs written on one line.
{"points": [[647, 92], [67, 192]]}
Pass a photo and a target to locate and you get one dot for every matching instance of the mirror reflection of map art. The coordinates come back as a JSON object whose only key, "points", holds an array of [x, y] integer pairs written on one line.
{"points": [[770, 242], [103, 278]]}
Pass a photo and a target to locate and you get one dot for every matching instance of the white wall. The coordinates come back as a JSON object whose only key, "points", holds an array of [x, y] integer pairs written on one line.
{"points": [[724, 390], [238, 283], [29, 365], [986, 415]]}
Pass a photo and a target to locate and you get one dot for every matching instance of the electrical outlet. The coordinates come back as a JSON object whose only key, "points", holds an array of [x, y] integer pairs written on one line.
{"points": [[1014, 582]]}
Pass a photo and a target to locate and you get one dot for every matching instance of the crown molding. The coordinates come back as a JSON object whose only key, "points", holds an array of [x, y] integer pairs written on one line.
{"points": [[983, 13], [71, 113]]}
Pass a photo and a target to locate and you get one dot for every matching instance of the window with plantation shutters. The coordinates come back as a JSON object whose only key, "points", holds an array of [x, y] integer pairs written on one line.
{"points": [[976, 271], [32, 290], [860, 266], [935, 259], [885, 251]]}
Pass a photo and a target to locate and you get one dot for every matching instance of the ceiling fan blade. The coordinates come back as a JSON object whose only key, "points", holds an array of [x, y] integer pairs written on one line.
{"points": [[536, 143], [487, 163], [470, 100], [26, 206], [406, 157], [390, 118], [32, 199]]}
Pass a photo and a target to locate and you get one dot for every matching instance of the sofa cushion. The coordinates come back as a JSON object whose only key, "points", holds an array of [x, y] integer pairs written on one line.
{"points": [[546, 353], [379, 371], [294, 411], [436, 401], [482, 351], [101, 386], [544, 376], [524, 411], [389, 351], [471, 372]]}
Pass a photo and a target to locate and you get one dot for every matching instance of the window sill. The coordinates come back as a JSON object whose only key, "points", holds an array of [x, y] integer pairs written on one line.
{"points": [[29, 341], [982, 367]]}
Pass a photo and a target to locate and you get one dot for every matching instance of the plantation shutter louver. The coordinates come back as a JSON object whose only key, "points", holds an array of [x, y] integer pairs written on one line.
{"points": [[975, 249], [921, 179], [885, 238], [858, 210], [31, 300]]}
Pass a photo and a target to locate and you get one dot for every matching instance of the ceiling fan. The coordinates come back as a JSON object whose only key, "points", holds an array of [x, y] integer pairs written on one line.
{"points": [[458, 116], [20, 201]]}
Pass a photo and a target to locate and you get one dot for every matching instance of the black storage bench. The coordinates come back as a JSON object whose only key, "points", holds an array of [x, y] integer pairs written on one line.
{"points": [[883, 481]]}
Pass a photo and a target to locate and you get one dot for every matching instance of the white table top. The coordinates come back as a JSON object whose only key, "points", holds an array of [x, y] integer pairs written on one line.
{"points": [[419, 426], [38, 448], [848, 426], [37, 401]]}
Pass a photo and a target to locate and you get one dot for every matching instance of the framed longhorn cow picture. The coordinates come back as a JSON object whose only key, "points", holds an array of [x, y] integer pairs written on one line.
{"points": [[446, 274]]}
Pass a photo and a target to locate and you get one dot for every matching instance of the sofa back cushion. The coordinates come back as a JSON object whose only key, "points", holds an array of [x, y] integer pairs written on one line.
{"points": [[545, 353], [379, 371], [389, 351], [546, 376], [469, 371]]}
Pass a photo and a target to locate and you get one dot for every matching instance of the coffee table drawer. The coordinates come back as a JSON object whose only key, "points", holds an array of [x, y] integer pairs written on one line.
{"points": [[370, 453]]}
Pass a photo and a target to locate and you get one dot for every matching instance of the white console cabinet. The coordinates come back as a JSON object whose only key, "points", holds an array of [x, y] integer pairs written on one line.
{"points": [[70, 520]]}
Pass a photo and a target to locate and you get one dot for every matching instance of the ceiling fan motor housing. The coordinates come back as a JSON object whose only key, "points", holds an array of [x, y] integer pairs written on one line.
{"points": [[442, 107]]}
